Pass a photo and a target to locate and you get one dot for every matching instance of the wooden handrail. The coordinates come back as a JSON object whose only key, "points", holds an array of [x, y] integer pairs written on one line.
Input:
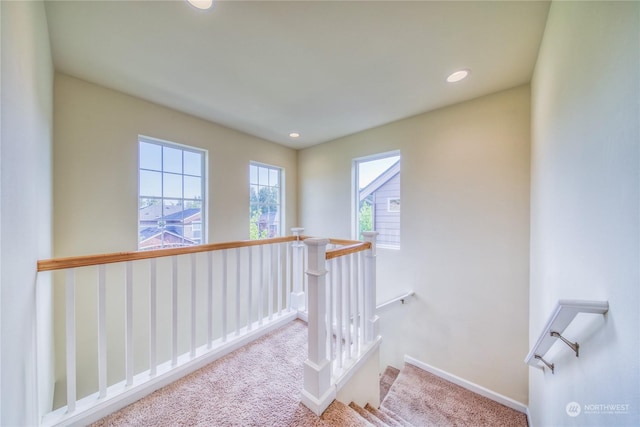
{"points": [[343, 242], [351, 248], [338, 242], [88, 260]]}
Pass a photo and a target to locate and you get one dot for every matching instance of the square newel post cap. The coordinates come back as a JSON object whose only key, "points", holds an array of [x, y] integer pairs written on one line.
{"points": [[371, 237], [316, 241], [297, 230]]}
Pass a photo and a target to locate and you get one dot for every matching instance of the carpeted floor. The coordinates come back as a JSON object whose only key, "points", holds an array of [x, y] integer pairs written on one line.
{"points": [[223, 393], [260, 385]]}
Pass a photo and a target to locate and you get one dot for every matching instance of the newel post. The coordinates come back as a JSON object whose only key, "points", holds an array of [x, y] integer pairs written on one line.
{"points": [[371, 319], [317, 393], [297, 259]]}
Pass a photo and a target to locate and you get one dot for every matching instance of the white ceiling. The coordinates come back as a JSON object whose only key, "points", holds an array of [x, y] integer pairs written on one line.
{"points": [[325, 69]]}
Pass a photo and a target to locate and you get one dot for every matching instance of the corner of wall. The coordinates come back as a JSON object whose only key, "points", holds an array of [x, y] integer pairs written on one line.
{"points": [[26, 110], [364, 386]]}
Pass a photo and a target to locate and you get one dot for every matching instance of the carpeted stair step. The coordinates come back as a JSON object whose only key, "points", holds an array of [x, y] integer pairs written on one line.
{"points": [[384, 417], [339, 415], [422, 398], [395, 417], [369, 416], [386, 380]]}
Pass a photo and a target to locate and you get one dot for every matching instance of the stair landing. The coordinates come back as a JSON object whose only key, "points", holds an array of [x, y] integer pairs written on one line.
{"points": [[260, 384]]}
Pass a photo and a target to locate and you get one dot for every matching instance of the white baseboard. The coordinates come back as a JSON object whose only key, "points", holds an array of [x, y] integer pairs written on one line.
{"points": [[482, 391]]}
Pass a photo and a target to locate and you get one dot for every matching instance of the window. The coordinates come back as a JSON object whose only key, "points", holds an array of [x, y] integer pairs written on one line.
{"points": [[265, 206], [171, 195], [377, 197]]}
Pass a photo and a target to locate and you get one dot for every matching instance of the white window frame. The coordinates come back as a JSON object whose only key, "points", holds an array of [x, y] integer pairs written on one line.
{"points": [[355, 193], [203, 182], [281, 196]]}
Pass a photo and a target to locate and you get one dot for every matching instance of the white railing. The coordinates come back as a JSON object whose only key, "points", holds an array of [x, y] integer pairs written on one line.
{"points": [[136, 321], [343, 326], [189, 305]]}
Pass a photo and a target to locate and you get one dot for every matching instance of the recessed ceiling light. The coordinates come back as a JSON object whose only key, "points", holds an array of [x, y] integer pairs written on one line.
{"points": [[294, 135], [457, 76], [201, 4]]}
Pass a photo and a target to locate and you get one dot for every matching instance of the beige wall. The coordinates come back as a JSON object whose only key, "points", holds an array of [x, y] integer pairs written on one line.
{"points": [[96, 142], [25, 220], [585, 196], [95, 211], [464, 238]]}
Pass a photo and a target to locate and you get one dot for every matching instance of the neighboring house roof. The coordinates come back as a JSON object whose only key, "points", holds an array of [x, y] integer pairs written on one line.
{"points": [[382, 179], [183, 215], [169, 234], [172, 232], [155, 212], [148, 233]]}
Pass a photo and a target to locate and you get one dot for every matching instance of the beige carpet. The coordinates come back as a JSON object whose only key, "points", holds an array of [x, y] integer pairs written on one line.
{"points": [[257, 385], [387, 379], [260, 385], [424, 399]]}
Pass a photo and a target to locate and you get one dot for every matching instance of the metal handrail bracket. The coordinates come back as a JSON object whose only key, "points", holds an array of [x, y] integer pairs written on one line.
{"points": [[563, 314]]}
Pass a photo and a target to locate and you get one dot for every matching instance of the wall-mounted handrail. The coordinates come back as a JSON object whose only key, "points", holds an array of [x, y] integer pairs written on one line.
{"points": [[563, 314], [402, 298]]}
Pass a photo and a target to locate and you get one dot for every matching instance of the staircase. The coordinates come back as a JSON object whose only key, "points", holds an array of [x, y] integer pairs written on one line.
{"points": [[259, 385], [414, 397]]}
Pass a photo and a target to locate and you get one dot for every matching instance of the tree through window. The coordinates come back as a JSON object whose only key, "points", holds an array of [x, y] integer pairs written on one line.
{"points": [[377, 197], [265, 207]]}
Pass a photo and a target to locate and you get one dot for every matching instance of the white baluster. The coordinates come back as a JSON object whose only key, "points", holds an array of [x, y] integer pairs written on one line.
{"points": [[174, 310], [261, 287], [270, 282], [339, 312], [102, 333], [128, 349], [237, 291], [70, 327], [193, 306], [288, 284], [224, 296], [297, 259], [363, 302], [356, 302], [279, 275], [209, 299], [153, 316], [348, 309], [250, 288]]}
